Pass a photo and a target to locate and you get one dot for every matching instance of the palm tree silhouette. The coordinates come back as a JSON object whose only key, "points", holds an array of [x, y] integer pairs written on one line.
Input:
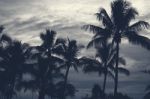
{"points": [[69, 51], [98, 64], [118, 26], [12, 64], [122, 15], [44, 68]]}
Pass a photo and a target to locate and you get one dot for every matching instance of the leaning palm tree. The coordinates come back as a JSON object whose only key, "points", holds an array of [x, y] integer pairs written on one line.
{"points": [[69, 50], [118, 26]]}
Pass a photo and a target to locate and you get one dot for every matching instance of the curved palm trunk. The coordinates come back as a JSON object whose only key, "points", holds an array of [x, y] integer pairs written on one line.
{"points": [[65, 81], [116, 70]]}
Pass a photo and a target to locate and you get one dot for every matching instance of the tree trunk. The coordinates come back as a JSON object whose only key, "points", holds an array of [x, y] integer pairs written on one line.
{"points": [[104, 83], [116, 69], [105, 76], [65, 81]]}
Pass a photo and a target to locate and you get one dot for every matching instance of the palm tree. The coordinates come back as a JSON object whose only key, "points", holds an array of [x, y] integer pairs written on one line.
{"points": [[44, 66], [69, 50], [102, 65], [121, 19], [99, 64], [118, 26], [12, 64]]}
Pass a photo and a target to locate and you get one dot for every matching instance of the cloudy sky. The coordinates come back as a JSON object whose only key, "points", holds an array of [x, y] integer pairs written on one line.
{"points": [[25, 19]]}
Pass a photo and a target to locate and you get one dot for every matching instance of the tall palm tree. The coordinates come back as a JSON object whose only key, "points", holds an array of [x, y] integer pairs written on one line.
{"points": [[12, 64], [118, 26], [69, 50], [44, 66], [121, 19]]}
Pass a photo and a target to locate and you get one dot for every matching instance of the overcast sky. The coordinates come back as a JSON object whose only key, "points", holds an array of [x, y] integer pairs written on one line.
{"points": [[25, 19]]}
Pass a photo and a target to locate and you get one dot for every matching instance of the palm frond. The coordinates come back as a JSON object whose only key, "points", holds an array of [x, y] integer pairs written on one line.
{"points": [[104, 17], [72, 50], [95, 29], [138, 39], [95, 41], [48, 38], [138, 26], [59, 49], [90, 65], [103, 52], [124, 71], [60, 41], [56, 59], [129, 15]]}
